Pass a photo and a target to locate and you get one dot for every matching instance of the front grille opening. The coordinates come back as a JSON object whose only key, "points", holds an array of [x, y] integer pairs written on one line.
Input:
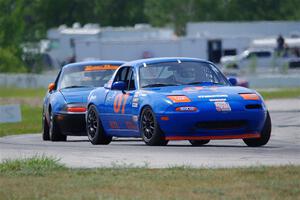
{"points": [[253, 106], [230, 124]]}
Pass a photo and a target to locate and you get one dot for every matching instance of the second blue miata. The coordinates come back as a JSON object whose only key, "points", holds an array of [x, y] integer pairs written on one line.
{"points": [[165, 99], [64, 105]]}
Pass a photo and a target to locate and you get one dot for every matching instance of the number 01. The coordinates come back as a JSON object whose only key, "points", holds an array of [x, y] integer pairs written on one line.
{"points": [[118, 101]]}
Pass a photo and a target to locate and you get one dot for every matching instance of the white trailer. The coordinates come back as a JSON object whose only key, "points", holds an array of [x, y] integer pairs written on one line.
{"points": [[131, 50]]}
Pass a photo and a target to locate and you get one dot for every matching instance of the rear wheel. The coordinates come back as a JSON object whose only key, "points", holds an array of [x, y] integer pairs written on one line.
{"points": [[151, 133], [45, 125], [54, 132], [198, 142], [264, 135], [95, 130]]}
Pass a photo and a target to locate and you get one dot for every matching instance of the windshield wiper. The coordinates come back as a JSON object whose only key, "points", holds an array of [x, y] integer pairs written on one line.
{"points": [[204, 82], [76, 86], [159, 85]]}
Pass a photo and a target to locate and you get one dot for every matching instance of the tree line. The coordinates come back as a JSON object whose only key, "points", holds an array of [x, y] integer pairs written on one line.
{"points": [[28, 20]]}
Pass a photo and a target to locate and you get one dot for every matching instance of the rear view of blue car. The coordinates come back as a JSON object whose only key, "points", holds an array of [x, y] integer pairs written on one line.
{"points": [[64, 105]]}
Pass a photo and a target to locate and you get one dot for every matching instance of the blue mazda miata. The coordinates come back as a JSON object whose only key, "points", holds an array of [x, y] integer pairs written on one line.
{"points": [[165, 99], [64, 105]]}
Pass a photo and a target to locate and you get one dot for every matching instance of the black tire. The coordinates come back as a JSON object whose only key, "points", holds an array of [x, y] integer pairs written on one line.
{"points": [[54, 132], [198, 142], [150, 131], [45, 125], [94, 128], [264, 135]]}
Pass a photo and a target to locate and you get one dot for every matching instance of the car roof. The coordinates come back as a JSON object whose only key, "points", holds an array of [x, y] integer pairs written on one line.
{"points": [[137, 63], [97, 62]]}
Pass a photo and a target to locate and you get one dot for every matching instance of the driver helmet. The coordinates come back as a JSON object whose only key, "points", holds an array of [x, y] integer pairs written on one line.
{"points": [[185, 75]]}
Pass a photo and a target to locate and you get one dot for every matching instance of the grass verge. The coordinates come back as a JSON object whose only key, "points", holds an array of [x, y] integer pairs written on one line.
{"points": [[31, 122], [35, 166], [280, 93], [22, 92], [19, 181]]}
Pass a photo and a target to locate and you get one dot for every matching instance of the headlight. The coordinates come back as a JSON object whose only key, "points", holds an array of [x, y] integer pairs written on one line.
{"points": [[179, 98], [249, 96]]}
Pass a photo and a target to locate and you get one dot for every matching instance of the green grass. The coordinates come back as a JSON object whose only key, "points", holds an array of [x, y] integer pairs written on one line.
{"points": [[30, 100], [22, 92], [280, 93], [31, 122], [47, 179], [36, 166]]}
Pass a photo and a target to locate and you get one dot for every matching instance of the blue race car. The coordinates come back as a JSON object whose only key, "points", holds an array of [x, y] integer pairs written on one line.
{"points": [[164, 99], [64, 106]]}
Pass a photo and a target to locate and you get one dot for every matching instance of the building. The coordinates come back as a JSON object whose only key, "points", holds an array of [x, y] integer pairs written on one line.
{"points": [[206, 40], [231, 38]]}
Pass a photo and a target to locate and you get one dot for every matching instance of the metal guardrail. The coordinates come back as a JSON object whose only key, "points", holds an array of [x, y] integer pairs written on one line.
{"points": [[26, 80]]}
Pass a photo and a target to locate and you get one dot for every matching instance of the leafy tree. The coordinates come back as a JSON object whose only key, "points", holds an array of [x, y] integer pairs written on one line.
{"points": [[119, 12], [176, 12], [28, 20], [9, 62]]}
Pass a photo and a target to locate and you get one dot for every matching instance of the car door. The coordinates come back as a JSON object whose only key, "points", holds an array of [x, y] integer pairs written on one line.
{"points": [[118, 105]]}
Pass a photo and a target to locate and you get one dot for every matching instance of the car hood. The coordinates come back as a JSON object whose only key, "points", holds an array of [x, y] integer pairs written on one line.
{"points": [[76, 95], [203, 93]]}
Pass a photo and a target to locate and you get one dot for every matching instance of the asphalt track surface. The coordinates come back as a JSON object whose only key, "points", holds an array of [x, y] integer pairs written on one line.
{"points": [[282, 149]]}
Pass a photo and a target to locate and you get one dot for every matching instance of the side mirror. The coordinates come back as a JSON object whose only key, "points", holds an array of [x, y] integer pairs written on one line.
{"points": [[51, 87], [233, 81], [119, 85]]}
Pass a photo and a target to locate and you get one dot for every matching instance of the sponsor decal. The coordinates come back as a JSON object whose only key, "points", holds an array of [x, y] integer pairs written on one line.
{"points": [[217, 99], [135, 100], [213, 96], [222, 106], [135, 105], [192, 89], [100, 68], [114, 125], [179, 98], [135, 118], [130, 125], [213, 88]]}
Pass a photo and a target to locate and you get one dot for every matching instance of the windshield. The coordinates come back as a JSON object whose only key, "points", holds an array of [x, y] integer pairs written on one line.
{"points": [[184, 73], [86, 76]]}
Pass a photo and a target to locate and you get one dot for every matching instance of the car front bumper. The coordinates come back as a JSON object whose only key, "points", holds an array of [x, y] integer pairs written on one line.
{"points": [[71, 124], [212, 125]]}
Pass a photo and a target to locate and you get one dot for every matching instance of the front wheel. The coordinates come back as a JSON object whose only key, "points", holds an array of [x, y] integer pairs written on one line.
{"points": [[151, 133], [264, 135], [95, 130]]}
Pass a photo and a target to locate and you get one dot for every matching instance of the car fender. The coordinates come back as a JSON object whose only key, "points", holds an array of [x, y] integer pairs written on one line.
{"points": [[159, 103], [97, 97], [57, 102]]}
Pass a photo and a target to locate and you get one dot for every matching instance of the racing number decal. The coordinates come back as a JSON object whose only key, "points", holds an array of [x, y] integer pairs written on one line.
{"points": [[118, 101]]}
